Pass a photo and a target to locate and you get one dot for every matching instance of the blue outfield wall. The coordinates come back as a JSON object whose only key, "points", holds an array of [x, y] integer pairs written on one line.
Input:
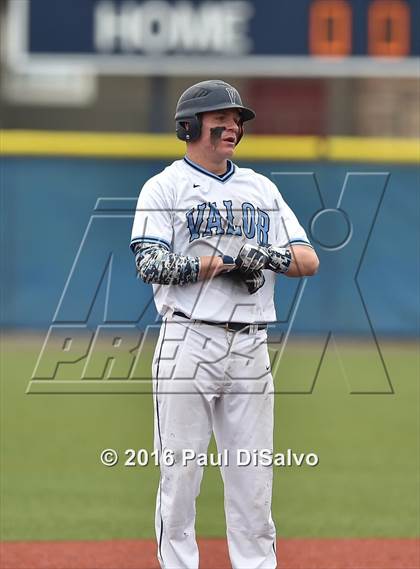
{"points": [[57, 210]]}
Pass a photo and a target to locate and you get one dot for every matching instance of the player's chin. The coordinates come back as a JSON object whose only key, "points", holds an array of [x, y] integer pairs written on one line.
{"points": [[227, 148]]}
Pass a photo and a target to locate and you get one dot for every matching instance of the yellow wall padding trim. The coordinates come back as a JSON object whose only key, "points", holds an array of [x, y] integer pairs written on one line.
{"points": [[357, 149], [260, 147], [106, 145], [166, 146]]}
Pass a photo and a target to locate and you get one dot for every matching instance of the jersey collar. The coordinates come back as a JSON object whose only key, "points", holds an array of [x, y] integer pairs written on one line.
{"points": [[226, 176]]}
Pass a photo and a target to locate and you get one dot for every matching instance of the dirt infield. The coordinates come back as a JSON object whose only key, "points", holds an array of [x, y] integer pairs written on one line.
{"points": [[141, 554]]}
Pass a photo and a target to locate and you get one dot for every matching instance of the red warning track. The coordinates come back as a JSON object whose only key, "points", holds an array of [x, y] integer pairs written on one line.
{"points": [[141, 554]]}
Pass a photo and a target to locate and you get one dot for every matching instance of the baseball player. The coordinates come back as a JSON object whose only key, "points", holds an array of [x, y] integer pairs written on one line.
{"points": [[211, 238]]}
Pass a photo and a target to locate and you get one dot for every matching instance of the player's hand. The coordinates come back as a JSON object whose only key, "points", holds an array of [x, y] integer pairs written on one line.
{"points": [[228, 264], [252, 258], [254, 280]]}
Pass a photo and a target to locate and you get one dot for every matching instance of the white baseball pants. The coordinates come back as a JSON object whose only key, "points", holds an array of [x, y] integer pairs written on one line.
{"points": [[209, 379]]}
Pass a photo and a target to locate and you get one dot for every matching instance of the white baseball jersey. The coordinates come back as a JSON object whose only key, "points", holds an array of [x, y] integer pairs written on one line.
{"points": [[194, 212]]}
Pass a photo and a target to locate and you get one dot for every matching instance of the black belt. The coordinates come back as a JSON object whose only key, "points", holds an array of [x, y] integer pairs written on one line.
{"points": [[230, 326]]}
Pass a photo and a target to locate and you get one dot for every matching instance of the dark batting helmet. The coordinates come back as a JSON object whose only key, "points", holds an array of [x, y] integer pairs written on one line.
{"points": [[202, 97]]}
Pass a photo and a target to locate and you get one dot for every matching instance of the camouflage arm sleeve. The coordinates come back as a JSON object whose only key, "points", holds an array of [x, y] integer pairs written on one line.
{"points": [[280, 259], [156, 265]]}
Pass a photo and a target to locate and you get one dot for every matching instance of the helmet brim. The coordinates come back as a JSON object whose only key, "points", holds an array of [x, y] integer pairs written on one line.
{"points": [[246, 113]]}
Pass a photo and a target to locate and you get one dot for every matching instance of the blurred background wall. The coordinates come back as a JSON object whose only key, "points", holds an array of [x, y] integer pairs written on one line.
{"points": [[344, 73]]}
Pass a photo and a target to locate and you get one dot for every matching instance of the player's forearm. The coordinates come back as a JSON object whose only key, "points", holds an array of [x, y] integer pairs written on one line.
{"points": [[212, 266], [304, 262], [157, 265]]}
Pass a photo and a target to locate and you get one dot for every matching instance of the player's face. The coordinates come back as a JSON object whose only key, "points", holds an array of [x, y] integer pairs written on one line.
{"points": [[220, 130]]}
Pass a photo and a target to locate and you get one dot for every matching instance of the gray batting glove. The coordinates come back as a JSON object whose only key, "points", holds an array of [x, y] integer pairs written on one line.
{"points": [[252, 258], [254, 280]]}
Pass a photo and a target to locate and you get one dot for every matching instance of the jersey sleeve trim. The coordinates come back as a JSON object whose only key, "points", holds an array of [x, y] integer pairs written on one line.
{"points": [[150, 239], [300, 242]]}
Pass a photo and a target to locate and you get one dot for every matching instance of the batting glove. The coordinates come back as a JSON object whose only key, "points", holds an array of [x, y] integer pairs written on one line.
{"points": [[252, 258], [254, 280]]}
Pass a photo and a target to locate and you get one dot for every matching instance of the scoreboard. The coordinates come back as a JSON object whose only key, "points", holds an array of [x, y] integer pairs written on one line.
{"points": [[235, 37]]}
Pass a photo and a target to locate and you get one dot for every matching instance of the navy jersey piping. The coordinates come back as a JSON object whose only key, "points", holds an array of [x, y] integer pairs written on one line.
{"points": [[150, 239], [226, 176], [299, 242]]}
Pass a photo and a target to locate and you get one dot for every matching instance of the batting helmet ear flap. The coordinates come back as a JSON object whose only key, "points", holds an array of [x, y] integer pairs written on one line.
{"points": [[240, 133], [192, 132]]}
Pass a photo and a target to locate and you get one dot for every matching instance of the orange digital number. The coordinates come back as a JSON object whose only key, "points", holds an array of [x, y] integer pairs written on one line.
{"points": [[389, 28], [330, 24]]}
